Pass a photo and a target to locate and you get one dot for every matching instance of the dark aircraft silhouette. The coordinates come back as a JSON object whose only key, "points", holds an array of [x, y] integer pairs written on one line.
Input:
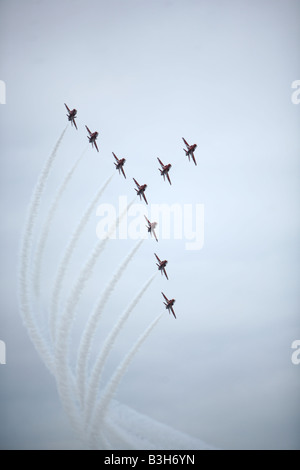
{"points": [[141, 190], [165, 170], [169, 304], [190, 150], [162, 265], [92, 137], [119, 164], [71, 115]]}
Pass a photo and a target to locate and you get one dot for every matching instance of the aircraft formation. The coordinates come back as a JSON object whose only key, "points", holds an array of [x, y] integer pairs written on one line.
{"points": [[140, 189]]}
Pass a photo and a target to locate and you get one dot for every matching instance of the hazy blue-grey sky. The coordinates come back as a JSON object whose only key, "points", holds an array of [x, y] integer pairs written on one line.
{"points": [[144, 74]]}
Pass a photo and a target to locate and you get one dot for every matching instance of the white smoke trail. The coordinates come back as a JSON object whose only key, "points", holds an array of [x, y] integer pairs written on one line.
{"points": [[62, 343], [134, 429], [138, 431], [45, 231], [26, 246], [120, 438], [108, 344], [111, 387], [90, 329], [63, 265], [106, 443]]}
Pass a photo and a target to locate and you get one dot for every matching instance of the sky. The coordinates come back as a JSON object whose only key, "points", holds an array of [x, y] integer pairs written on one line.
{"points": [[144, 75]]}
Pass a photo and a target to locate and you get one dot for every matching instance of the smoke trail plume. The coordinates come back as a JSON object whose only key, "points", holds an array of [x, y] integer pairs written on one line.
{"points": [[108, 344], [118, 435], [43, 239], [111, 425], [138, 431], [63, 265], [111, 387], [90, 329], [62, 343], [26, 246]]}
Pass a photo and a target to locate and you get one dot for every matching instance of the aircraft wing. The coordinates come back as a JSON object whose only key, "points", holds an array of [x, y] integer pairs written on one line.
{"points": [[96, 145], [75, 123], [67, 107], [165, 297], [165, 273], [136, 182], [154, 234], [168, 177], [157, 258], [122, 169], [173, 312], [160, 162], [193, 157], [147, 220], [185, 142], [145, 198], [88, 130], [115, 157]]}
